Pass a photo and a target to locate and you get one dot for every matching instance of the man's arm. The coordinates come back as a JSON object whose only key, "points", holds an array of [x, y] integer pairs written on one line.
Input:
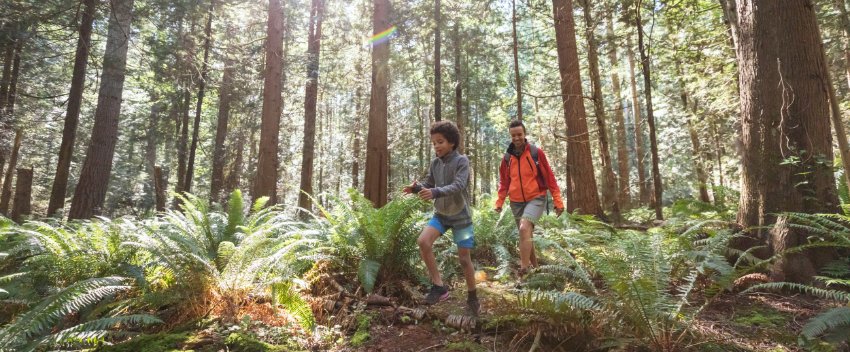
{"points": [[551, 183], [504, 183]]}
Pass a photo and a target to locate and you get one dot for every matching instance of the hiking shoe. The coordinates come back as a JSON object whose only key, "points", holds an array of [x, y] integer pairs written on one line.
{"points": [[436, 295], [522, 276], [472, 307]]}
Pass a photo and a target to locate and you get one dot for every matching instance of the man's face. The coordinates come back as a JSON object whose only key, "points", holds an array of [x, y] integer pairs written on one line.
{"points": [[441, 144], [517, 136]]}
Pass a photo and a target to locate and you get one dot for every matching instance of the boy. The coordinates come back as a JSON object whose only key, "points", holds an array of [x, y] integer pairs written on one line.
{"points": [[446, 184]]}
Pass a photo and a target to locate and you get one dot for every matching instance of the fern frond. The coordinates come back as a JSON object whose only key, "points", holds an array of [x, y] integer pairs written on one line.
{"points": [[826, 321], [814, 291]]}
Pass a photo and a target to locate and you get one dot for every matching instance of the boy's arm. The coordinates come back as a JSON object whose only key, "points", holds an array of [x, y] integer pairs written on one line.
{"points": [[551, 183], [458, 184], [428, 180], [504, 183]]}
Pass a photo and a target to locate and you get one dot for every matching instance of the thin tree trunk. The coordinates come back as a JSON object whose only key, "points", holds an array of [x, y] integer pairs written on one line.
{"points": [[150, 146], [265, 183], [650, 118], [622, 147], [517, 77], [781, 58], [377, 155], [182, 144], [835, 111], [23, 195], [232, 182], [190, 166], [438, 73], [8, 58], [314, 42], [458, 91], [845, 27], [609, 184], [94, 178], [2, 163], [13, 82], [702, 180], [582, 193], [643, 185], [225, 96], [6, 195], [159, 188], [718, 151]]}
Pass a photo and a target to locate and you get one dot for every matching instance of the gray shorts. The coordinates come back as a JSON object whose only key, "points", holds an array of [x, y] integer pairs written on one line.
{"points": [[531, 210]]}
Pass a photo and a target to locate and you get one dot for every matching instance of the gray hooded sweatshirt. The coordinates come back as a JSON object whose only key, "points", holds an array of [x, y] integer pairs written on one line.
{"points": [[448, 177]]}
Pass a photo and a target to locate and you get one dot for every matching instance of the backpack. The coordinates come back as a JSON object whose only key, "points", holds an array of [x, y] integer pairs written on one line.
{"points": [[541, 180]]}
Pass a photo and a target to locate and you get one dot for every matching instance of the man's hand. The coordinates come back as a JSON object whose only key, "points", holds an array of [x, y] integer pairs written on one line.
{"points": [[426, 194], [558, 212]]}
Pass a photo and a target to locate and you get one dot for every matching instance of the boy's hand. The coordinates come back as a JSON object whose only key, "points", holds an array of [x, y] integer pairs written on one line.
{"points": [[426, 194], [498, 210], [409, 189], [558, 211]]}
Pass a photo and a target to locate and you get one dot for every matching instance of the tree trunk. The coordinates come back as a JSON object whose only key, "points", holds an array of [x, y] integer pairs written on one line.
{"points": [[845, 26], [358, 122], [609, 181], [377, 155], [23, 195], [718, 152], [94, 178], [265, 184], [314, 42], [730, 17], [232, 182], [159, 188], [2, 163], [438, 73], [835, 111], [13, 82], [225, 96], [702, 179], [182, 143], [582, 192], [8, 58], [458, 91], [650, 117], [517, 78], [643, 185], [202, 83], [787, 148], [622, 147], [6, 195], [150, 146]]}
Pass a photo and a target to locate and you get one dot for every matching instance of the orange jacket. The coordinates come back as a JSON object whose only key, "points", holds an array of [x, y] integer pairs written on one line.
{"points": [[520, 178]]}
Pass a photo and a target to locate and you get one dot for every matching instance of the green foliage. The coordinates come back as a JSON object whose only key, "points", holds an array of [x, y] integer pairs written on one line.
{"points": [[238, 342], [379, 243], [284, 294], [361, 335], [163, 342]]}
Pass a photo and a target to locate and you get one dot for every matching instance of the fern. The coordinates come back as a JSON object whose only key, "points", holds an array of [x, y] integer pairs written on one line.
{"points": [[825, 322], [284, 294]]}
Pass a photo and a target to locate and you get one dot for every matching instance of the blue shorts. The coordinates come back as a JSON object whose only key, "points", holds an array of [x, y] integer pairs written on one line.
{"points": [[462, 237]]}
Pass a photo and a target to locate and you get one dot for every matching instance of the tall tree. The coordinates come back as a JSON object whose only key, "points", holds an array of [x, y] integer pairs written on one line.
{"points": [[438, 74], [23, 195], [225, 94], [609, 181], [314, 41], [6, 194], [265, 183], [377, 156], [202, 83], [517, 77], [458, 89], [650, 115], [643, 185], [786, 147], [622, 147], [72, 114], [582, 193], [97, 167]]}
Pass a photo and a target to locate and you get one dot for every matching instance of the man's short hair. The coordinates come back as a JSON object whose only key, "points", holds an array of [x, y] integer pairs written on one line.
{"points": [[517, 123], [449, 130]]}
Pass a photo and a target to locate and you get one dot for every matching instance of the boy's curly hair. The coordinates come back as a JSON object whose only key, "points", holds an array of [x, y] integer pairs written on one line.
{"points": [[449, 130]]}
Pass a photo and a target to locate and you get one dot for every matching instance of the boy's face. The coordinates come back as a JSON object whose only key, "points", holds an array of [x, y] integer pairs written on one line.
{"points": [[441, 144], [517, 136]]}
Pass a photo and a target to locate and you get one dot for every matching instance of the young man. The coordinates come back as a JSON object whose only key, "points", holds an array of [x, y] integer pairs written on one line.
{"points": [[526, 179], [446, 183]]}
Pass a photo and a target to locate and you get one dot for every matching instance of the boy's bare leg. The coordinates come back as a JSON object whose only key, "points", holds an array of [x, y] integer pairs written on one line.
{"points": [[468, 270], [526, 245], [426, 241]]}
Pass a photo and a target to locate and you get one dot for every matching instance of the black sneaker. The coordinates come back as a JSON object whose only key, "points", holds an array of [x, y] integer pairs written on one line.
{"points": [[436, 295], [472, 307]]}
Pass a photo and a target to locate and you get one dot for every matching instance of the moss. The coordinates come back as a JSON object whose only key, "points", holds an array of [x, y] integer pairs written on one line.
{"points": [[163, 342], [465, 346], [362, 334], [762, 318], [239, 342]]}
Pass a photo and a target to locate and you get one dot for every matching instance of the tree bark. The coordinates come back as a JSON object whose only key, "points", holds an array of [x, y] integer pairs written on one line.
{"points": [[265, 184], [232, 181], [623, 194], [438, 74], [314, 42], [358, 122], [377, 155], [841, 7], [835, 111], [517, 77], [6, 195], [202, 83], [650, 117], [458, 91], [159, 188], [787, 147], [702, 179], [582, 192], [225, 96], [94, 178], [609, 181], [150, 146], [23, 195], [643, 185]]}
